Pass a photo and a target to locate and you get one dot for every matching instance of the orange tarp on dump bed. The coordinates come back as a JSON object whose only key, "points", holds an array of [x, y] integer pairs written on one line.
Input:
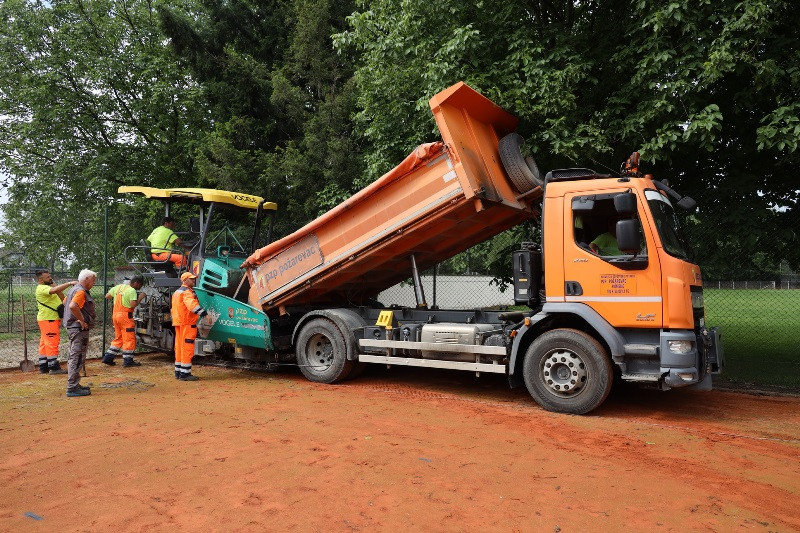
{"points": [[442, 199]]}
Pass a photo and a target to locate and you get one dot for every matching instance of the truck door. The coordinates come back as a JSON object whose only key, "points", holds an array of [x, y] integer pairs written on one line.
{"points": [[624, 288]]}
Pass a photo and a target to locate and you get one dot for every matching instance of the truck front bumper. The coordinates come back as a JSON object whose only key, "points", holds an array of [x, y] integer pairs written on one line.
{"points": [[681, 377], [681, 367]]}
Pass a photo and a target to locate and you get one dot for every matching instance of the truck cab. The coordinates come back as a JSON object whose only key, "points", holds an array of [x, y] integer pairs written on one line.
{"points": [[643, 303]]}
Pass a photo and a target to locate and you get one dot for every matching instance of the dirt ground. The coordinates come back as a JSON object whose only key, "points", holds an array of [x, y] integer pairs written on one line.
{"points": [[399, 449]]}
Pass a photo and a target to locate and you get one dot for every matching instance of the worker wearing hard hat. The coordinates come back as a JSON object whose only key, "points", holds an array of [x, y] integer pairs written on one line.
{"points": [[125, 301], [186, 310], [162, 240]]}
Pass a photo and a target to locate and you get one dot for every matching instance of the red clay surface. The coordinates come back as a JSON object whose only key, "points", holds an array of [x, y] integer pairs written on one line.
{"points": [[399, 449]]}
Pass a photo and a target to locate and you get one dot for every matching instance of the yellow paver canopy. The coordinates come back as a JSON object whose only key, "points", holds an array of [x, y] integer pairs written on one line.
{"points": [[195, 195]]}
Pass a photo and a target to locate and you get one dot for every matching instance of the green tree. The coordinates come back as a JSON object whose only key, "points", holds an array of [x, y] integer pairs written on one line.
{"points": [[281, 98], [90, 99], [706, 91]]}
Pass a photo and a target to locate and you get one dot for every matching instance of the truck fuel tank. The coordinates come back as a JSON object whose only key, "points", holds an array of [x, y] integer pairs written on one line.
{"points": [[445, 333]]}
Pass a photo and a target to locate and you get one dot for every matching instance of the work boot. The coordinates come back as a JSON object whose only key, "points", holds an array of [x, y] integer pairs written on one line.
{"points": [[55, 368], [78, 392], [189, 377], [84, 388], [43, 369], [108, 358], [130, 362]]}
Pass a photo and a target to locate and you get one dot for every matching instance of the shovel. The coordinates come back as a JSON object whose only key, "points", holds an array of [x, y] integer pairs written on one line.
{"points": [[26, 365]]}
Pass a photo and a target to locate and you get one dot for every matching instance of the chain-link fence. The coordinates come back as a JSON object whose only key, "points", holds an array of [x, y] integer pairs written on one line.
{"points": [[760, 322], [749, 285], [452, 292], [20, 332]]}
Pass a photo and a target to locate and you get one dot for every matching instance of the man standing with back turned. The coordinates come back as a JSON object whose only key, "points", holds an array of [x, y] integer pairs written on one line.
{"points": [[185, 312], [48, 298], [125, 301], [79, 318]]}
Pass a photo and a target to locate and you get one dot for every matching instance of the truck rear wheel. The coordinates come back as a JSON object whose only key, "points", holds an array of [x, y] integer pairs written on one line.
{"points": [[523, 172], [567, 371], [322, 353]]}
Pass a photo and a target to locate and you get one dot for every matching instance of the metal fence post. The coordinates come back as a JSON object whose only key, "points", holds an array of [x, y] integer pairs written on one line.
{"points": [[11, 300], [105, 279]]}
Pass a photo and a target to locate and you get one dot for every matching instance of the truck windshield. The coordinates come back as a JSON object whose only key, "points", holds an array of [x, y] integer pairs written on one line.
{"points": [[667, 225]]}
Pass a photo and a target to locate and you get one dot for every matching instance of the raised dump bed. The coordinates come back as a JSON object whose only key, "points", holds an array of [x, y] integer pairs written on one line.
{"points": [[442, 199]]}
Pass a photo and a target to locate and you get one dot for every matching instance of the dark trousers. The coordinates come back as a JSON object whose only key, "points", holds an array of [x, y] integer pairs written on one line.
{"points": [[78, 345]]}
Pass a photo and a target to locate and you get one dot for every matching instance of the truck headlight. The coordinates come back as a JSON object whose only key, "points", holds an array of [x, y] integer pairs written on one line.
{"points": [[680, 346]]}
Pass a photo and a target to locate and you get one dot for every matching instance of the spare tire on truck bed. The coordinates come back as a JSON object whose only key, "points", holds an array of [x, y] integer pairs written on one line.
{"points": [[522, 171]]}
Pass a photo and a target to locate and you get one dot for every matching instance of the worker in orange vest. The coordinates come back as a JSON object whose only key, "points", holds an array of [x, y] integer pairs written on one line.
{"points": [[125, 301], [186, 310]]}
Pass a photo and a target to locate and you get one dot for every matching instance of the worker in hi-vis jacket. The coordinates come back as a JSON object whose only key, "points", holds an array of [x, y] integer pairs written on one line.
{"points": [[186, 311], [125, 301], [162, 240]]}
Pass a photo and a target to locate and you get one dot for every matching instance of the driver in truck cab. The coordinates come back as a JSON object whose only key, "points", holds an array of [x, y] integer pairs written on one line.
{"points": [[163, 240], [606, 243]]}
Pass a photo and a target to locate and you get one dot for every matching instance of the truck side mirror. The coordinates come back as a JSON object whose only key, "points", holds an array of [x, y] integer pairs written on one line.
{"points": [[625, 203], [223, 251], [628, 235], [687, 203]]}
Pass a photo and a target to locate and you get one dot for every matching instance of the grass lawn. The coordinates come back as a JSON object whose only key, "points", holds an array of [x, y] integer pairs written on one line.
{"points": [[760, 332]]}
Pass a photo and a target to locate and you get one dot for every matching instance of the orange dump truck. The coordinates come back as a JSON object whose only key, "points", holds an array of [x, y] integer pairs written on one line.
{"points": [[609, 294]]}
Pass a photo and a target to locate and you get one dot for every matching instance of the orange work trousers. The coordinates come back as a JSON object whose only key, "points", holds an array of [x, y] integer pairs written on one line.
{"points": [[124, 332], [177, 259], [184, 347], [51, 336]]}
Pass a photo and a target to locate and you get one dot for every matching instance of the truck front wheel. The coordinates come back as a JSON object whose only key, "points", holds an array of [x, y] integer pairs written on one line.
{"points": [[567, 371], [322, 353]]}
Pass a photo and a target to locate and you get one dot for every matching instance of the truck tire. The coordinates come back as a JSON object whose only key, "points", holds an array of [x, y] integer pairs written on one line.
{"points": [[567, 371], [523, 172], [322, 353]]}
